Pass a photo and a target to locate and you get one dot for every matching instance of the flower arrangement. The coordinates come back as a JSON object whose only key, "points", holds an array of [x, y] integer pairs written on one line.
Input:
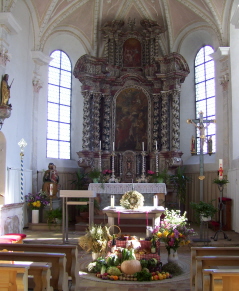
{"points": [[106, 175], [132, 200], [37, 201], [173, 230]]}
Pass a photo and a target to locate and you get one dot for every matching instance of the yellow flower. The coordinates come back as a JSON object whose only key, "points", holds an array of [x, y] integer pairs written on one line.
{"points": [[159, 234], [165, 233], [187, 242]]}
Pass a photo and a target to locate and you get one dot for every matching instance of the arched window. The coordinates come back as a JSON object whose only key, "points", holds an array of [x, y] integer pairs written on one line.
{"points": [[205, 95], [59, 106]]}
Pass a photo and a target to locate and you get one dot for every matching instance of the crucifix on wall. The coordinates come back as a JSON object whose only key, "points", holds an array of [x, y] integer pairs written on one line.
{"points": [[202, 124]]}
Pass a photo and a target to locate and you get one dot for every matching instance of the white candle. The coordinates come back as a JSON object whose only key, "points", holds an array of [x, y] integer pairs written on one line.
{"points": [[220, 171], [100, 144], [155, 201], [112, 201], [156, 145], [51, 189], [113, 146], [143, 146]]}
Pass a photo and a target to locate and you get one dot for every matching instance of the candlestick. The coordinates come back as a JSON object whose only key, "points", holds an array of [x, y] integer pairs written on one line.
{"points": [[112, 201], [51, 189], [155, 201], [220, 171], [143, 146]]}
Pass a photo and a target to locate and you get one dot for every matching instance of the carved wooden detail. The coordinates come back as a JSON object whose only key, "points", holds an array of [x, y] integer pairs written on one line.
{"points": [[134, 75]]}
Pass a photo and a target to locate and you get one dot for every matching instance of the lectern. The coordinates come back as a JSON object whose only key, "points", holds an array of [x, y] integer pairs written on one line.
{"points": [[65, 194]]}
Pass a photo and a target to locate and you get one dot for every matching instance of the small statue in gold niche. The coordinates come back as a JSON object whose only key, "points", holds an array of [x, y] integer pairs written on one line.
{"points": [[5, 90]]}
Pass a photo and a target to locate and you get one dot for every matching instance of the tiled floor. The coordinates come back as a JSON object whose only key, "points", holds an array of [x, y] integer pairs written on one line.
{"points": [[181, 283]]}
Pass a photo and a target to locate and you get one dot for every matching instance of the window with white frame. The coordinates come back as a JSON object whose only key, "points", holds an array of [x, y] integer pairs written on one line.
{"points": [[205, 95], [59, 106]]}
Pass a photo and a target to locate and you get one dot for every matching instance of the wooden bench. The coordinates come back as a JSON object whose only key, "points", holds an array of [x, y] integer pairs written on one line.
{"points": [[40, 271], [13, 278], [220, 279], [59, 279], [206, 262], [71, 251], [208, 251]]}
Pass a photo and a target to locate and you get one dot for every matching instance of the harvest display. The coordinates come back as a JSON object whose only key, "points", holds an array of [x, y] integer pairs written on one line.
{"points": [[129, 259]]}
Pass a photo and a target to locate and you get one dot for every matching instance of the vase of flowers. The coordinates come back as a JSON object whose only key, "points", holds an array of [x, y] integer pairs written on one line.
{"points": [[36, 202], [174, 231]]}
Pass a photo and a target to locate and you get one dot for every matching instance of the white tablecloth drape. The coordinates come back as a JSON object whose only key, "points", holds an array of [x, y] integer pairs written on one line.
{"points": [[121, 188]]}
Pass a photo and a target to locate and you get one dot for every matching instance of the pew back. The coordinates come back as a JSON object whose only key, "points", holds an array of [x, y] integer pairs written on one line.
{"points": [[71, 251], [59, 279], [220, 279], [205, 262], [207, 251], [13, 278]]}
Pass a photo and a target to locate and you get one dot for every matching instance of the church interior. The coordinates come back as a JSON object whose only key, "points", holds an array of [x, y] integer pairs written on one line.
{"points": [[130, 88]]}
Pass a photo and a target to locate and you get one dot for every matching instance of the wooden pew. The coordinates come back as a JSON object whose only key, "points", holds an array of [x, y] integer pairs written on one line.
{"points": [[59, 279], [40, 271], [206, 262], [220, 279], [208, 251], [71, 251], [13, 278]]}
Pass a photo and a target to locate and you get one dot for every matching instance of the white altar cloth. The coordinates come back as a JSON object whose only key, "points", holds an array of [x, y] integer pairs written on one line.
{"points": [[121, 188]]}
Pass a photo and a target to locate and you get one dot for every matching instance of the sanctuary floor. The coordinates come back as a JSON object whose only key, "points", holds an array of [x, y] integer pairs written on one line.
{"points": [[91, 283]]}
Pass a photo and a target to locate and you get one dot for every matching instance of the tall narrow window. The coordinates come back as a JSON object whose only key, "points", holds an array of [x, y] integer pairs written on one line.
{"points": [[205, 95], [59, 106]]}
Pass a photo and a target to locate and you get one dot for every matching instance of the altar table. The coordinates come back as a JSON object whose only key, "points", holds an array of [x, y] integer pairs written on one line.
{"points": [[121, 188], [147, 212]]}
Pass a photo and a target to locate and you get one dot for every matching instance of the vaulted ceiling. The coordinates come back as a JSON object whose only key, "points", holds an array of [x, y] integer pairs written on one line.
{"points": [[84, 18]]}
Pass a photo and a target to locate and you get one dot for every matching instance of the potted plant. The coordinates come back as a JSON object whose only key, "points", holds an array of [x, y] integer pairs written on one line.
{"points": [[94, 175], [179, 182], [160, 177], [54, 216], [204, 211], [80, 181]]}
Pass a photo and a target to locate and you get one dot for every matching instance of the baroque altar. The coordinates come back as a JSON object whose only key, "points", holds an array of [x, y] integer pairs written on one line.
{"points": [[131, 98]]}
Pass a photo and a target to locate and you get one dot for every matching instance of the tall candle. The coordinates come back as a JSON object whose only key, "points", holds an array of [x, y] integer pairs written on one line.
{"points": [[220, 171], [143, 146], [156, 145], [100, 144], [113, 146], [112, 201], [155, 201], [51, 189]]}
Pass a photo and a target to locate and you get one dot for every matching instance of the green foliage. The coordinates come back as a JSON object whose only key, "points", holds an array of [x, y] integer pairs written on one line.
{"points": [[80, 182], [220, 182], [94, 174], [179, 181], [203, 209], [54, 213]]}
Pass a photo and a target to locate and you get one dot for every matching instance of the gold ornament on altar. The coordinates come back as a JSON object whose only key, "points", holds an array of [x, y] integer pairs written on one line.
{"points": [[132, 200]]}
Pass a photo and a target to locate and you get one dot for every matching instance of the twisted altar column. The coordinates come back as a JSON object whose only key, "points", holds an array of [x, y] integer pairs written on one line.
{"points": [[86, 121], [175, 121], [155, 118], [96, 120], [164, 122], [106, 124]]}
